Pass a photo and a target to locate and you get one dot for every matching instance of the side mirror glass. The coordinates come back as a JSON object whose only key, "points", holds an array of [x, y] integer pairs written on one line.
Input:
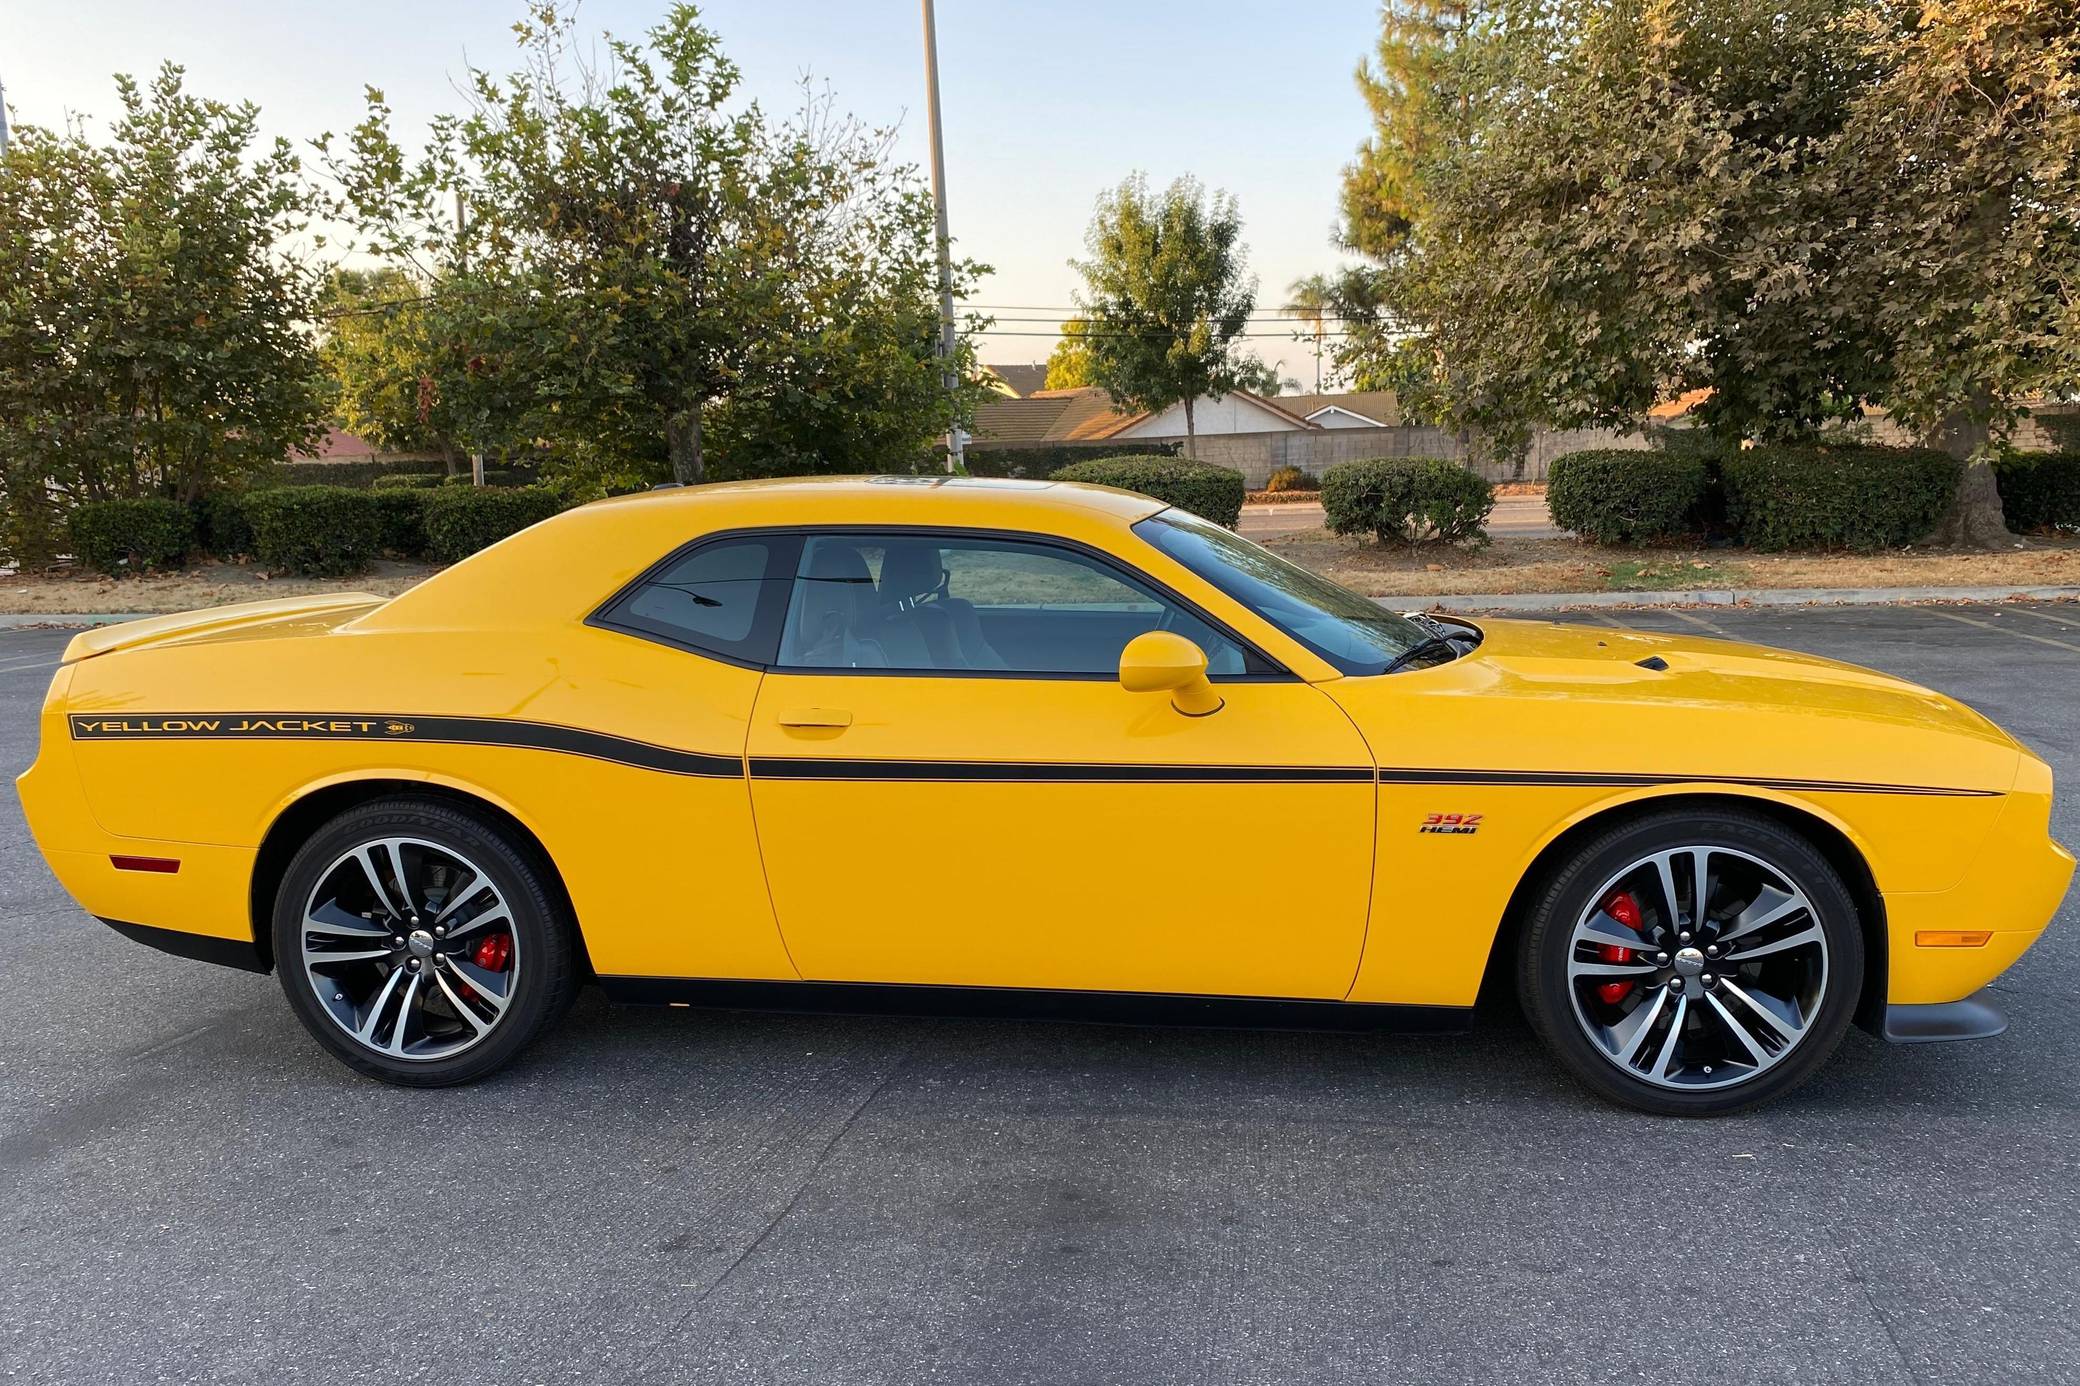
{"points": [[1161, 661]]}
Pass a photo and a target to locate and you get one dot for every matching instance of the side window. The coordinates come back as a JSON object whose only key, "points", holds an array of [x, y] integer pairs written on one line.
{"points": [[723, 598], [943, 605]]}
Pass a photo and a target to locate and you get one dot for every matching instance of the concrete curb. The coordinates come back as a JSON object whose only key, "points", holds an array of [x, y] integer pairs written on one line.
{"points": [[1760, 596]]}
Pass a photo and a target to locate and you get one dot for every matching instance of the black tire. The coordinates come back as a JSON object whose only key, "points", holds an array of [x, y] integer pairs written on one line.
{"points": [[542, 989], [1551, 1002]]}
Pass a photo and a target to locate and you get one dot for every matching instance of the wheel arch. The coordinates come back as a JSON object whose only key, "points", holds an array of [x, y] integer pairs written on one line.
{"points": [[304, 813], [1828, 837]]}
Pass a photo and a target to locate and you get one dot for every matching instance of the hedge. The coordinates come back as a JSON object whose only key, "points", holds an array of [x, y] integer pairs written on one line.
{"points": [[1411, 499], [356, 474], [221, 524], [2040, 490], [319, 531], [462, 519], [131, 536], [1612, 497], [1214, 493], [424, 481], [1852, 497], [1042, 462], [401, 519]]}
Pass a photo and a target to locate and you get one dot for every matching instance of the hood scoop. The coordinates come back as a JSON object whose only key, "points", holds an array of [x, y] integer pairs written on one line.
{"points": [[1654, 662]]}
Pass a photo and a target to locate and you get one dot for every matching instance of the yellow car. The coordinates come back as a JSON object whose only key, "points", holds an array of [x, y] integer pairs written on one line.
{"points": [[1029, 748]]}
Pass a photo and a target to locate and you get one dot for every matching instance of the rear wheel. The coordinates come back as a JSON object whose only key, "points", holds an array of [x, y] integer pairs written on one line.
{"points": [[419, 944], [1693, 963]]}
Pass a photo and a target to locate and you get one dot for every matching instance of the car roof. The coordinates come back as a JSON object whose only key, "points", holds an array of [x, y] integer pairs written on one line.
{"points": [[912, 499], [564, 567]]}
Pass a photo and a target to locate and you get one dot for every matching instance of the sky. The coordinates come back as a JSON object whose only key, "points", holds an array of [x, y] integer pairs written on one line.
{"points": [[1045, 105]]}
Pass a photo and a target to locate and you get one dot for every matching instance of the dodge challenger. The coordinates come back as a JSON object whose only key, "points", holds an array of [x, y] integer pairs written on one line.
{"points": [[1030, 748]]}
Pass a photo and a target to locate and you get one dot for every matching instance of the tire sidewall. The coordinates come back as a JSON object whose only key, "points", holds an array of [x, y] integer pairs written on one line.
{"points": [[546, 977], [1543, 982]]}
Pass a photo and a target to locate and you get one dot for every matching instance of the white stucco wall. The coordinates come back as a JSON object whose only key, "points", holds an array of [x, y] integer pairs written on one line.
{"points": [[1228, 414]]}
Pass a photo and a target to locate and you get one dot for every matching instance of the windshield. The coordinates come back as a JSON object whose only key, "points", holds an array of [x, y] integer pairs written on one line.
{"points": [[1356, 635]]}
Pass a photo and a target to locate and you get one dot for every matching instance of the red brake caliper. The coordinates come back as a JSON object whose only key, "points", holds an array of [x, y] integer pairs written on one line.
{"points": [[495, 953], [1623, 908]]}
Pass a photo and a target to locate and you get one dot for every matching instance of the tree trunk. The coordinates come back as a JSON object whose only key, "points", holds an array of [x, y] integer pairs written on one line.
{"points": [[682, 434], [1191, 434], [1974, 520]]}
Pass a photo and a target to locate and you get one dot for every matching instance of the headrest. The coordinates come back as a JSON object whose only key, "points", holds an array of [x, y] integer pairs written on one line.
{"points": [[837, 562], [911, 568]]}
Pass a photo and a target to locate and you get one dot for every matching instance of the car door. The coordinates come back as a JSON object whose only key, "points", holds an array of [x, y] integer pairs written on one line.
{"points": [[951, 786]]}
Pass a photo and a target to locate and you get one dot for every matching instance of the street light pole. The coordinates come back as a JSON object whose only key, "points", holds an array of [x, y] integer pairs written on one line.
{"points": [[3, 117], [948, 341]]}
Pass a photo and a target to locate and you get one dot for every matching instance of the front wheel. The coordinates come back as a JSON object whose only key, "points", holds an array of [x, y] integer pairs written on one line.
{"points": [[1693, 963], [419, 944]]}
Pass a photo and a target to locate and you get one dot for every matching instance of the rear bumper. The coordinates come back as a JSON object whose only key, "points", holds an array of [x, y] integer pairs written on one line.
{"points": [[1972, 1018], [224, 952]]}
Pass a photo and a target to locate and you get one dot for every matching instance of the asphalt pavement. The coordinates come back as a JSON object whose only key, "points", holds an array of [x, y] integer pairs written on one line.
{"points": [[193, 1192]]}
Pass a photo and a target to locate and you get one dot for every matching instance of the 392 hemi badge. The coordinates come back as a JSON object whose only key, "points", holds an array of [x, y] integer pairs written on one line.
{"points": [[1456, 824]]}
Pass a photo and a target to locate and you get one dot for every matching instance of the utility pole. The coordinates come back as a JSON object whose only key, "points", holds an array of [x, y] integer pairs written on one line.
{"points": [[476, 455], [955, 462], [3, 118]]}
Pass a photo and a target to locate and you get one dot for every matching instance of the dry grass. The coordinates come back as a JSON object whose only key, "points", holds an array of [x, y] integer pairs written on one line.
{"points": [[200, 585], [1568, 565]]}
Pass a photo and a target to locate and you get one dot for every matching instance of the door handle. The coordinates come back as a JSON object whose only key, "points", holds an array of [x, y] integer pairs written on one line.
{"points": [[816, 717]]}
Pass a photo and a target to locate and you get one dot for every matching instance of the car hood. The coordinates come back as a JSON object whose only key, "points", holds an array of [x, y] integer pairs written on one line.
{"points": [[1542, 695]]}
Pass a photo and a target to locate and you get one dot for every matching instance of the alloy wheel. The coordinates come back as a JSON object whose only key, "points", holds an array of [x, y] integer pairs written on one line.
{"points": [[1697, 968], [410, 948]]}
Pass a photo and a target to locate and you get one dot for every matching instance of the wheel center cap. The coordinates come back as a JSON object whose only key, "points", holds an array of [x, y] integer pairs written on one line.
{"points": [[1689, 962], [421, 944]]}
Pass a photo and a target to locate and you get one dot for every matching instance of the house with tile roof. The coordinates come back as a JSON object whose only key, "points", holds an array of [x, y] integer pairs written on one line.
{"points": [[1088, 415], [1016, 382]]}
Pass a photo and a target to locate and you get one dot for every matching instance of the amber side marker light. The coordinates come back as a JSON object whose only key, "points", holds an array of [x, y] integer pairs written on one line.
{"points": [[1952, 938], [164, 865]]}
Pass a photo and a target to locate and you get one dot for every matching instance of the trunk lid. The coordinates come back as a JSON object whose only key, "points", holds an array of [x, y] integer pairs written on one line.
{"points": [[319, 612]]}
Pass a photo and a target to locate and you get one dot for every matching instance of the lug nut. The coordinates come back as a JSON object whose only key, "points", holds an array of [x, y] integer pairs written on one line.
{"points": [[440, 931], [1675, 984], [1661, 959], [396, 942], [1708, 979], [1711, 950], [413, 964], [1683, 937]]}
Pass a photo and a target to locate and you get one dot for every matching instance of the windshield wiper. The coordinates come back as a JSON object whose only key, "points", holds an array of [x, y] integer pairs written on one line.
{"points": [[1428, 645]]}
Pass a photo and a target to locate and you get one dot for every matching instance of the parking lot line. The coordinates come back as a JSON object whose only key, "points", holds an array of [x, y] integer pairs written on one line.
{"points": [[32, 664], [2045, 616], [1702, 623], [2004, 630]]}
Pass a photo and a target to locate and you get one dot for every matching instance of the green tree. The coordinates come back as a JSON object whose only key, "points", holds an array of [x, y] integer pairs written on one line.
{"points": [[1167, 292], [1312, 299], [1971, 147], [645, 247], [1069, 364], [1637, 198], [1383, 187], [151, 331]]}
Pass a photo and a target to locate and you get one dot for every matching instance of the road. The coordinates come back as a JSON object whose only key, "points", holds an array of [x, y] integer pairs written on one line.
{"points": [[193, 1192], [1514, 517]]}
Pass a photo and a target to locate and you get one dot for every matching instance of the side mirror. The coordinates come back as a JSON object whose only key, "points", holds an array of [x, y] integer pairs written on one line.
{"points": [[1162, 661]]}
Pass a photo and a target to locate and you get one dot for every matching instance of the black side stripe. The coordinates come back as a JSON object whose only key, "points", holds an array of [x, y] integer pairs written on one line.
{"points": [[644, 755], [1050, 772], [452, 731], [1596, 779]]}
